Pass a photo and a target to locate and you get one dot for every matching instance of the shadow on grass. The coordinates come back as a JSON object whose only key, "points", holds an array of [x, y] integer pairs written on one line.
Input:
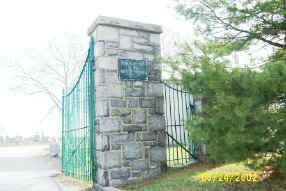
{"points": [[189, 179], [88, 189]]}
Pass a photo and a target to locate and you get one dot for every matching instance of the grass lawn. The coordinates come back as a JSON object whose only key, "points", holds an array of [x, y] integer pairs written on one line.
{"points": [[190, 179], [84, 185], [177, 156]]}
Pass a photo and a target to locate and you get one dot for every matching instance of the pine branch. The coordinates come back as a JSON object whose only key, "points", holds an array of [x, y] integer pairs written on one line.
{"points": [[250, 34]]}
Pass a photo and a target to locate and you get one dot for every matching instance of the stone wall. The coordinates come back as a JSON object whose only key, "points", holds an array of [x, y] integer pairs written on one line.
{"points": [[130, 138]]}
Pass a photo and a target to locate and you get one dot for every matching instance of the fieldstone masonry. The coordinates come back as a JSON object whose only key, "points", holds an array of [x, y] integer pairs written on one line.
{"points": [[130, 138]]}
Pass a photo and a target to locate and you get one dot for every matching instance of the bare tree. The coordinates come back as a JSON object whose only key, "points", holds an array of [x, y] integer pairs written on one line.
{"points": [[50, 70], [173, 42]]}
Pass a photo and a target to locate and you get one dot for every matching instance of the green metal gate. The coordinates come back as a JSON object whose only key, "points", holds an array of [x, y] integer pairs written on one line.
{"points": [[179, 106], [78, 124]]}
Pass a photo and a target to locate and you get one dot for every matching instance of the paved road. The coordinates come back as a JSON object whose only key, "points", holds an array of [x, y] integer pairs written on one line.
{"points": [[24, 168]]}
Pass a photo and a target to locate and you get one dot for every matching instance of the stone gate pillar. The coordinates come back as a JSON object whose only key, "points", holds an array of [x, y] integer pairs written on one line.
{"points": [[130, 138]]}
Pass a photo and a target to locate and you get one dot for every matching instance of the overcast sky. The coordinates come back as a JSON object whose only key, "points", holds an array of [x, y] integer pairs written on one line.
{"points": [[28, 26]]}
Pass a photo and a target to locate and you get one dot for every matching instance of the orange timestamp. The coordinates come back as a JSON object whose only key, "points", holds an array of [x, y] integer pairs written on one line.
{"points": [[225, 177]]}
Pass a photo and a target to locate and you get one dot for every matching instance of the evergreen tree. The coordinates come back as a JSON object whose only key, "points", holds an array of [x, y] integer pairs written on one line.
{"points": [[244, 111], [242, 21]]}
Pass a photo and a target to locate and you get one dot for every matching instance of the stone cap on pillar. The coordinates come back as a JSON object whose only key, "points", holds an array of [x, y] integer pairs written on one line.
{"points": [[122, 23]]}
